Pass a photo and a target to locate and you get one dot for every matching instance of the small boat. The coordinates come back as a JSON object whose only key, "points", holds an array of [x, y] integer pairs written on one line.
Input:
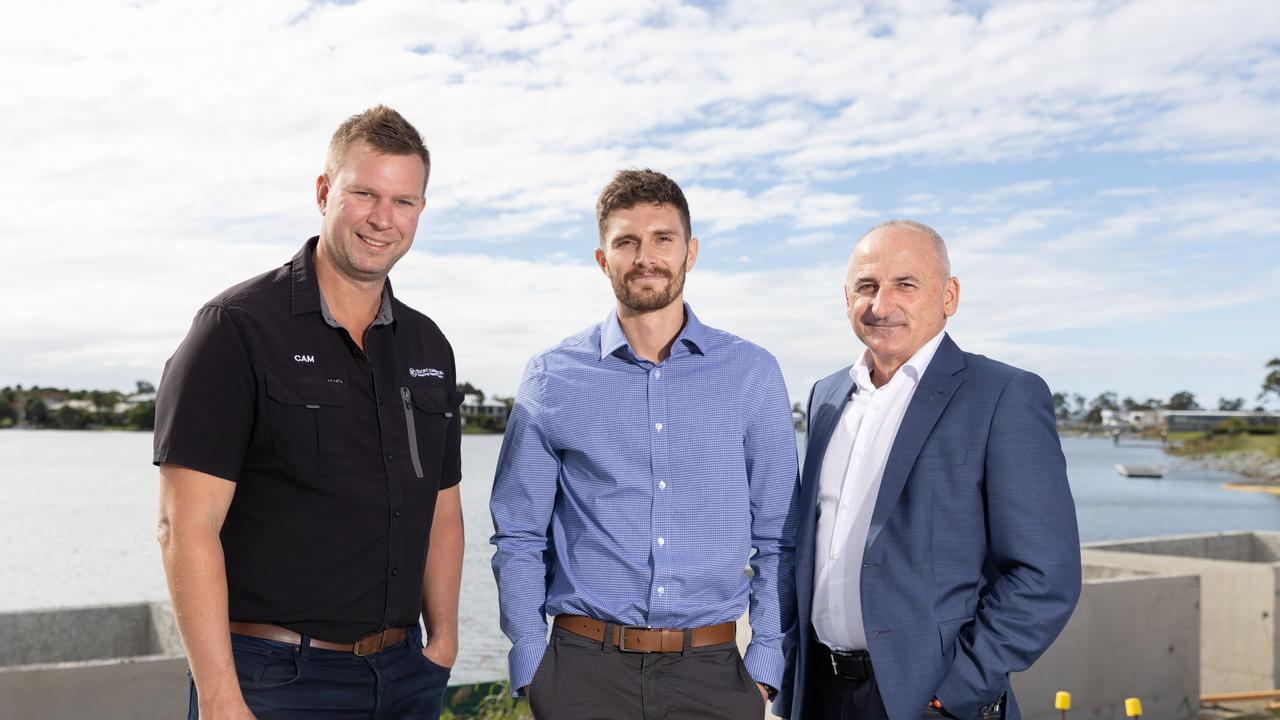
{"points": [[1144, 471]]}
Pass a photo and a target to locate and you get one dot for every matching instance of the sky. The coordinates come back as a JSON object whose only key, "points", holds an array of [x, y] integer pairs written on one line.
{"points": [[1106, 174]]}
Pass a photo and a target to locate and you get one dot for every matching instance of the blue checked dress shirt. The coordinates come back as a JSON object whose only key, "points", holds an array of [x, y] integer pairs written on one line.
{"points": [[634, 493]]}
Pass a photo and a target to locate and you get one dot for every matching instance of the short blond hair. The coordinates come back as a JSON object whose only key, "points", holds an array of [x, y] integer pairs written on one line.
{"points": [[385, 130]]}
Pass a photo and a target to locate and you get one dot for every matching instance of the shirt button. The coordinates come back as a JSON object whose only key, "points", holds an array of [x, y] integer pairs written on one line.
{"points": [[662, 484], [395, 572], [657, 373], [662, 541], [658, 426], [835, 554], [396, 513], [388, 457], [662, 589]]}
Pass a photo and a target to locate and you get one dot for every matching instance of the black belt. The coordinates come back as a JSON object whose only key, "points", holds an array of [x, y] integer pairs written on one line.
{"points": [[855, 665]]}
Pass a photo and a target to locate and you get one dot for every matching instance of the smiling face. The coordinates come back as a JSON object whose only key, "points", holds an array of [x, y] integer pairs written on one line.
{"points": [[645, 252], [898, 295], [371, 203]]}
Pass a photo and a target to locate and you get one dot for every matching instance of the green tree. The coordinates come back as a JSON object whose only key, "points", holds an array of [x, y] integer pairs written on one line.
{"points": [[1231, 403], [1182, 400], [468, 389], [35, 411], [8, 406], [145, 387], [143, 416], [1271, 383], [1061, 406], [69, 418], [104, 404], [1104, 401], [1130, 404]]}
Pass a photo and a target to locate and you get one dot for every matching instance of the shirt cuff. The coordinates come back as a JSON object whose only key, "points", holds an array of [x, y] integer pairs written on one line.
{"points": [[523, 661], [765, 664]]}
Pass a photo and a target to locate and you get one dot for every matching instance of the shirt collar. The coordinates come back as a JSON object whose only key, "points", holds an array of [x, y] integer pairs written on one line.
{"points": [[306, 290], [693, 335], [913, 368]]}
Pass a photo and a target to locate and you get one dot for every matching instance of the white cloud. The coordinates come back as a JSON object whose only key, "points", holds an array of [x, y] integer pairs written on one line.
{"points": [[159, 152]]}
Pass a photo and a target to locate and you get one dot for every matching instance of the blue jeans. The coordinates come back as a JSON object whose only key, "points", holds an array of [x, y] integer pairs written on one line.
{"points": [[280, 681]]}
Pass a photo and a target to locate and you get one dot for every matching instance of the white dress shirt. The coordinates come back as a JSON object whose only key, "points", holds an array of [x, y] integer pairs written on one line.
{"points": [[848, 485]]}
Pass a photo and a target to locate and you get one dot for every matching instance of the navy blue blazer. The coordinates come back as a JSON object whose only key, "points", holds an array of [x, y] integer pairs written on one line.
{"points": [[972, 561]]}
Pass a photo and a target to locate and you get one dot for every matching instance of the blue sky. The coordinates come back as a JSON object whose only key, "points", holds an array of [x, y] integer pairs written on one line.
{"points": [[1107, 174]]}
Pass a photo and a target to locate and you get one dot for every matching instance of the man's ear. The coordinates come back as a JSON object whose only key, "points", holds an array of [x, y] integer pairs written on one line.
{"points": [[322, 193], [951, 296]]}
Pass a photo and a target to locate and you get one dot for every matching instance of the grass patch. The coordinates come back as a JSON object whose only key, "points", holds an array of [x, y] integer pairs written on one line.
{"points": [[484, 701], [1225, 444]]}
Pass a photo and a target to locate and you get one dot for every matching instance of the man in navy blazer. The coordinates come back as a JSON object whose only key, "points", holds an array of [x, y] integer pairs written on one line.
{"points": [[938, 549]]}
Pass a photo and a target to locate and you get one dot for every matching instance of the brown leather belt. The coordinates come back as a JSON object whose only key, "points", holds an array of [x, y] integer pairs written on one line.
{"points": [[367, 645], [634, 638]]}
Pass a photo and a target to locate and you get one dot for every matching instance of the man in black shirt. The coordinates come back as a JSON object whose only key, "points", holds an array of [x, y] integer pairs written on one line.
{"points": [[308, 442]]}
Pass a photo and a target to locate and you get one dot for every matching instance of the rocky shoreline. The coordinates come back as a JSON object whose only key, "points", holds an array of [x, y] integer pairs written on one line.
{"points": [[1254, 465]]}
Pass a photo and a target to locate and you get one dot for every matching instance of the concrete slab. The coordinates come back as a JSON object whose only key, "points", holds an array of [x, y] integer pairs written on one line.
{"points": [[119, 662], [1240, 597], [1132, 634]]}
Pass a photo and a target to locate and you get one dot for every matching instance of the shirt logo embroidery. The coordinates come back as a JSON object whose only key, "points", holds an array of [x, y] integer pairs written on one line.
{"points": [[305, 358], [426, 372]]}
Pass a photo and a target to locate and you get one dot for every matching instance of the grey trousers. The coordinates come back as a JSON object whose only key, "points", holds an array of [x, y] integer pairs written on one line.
{"points": [[579, 679]]}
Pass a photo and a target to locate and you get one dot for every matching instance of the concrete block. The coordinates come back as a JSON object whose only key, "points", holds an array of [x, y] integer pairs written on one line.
{"points": [[1240, 597], [110, 663], [1132, 634]]}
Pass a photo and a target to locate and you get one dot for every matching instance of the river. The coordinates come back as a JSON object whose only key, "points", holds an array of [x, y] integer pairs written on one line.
{"points": [[78, 509]]}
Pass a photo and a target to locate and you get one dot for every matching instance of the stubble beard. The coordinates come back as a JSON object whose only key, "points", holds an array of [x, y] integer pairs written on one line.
{"points": [[343, 257]]}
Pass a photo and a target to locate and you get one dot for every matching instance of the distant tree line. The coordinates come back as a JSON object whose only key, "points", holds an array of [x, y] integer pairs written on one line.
{"points": [[63, 409], [479, 421], [1075, 407]]}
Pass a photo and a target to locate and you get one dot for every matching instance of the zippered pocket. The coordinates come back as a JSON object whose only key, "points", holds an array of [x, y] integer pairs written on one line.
{"points": [[407, 396]]}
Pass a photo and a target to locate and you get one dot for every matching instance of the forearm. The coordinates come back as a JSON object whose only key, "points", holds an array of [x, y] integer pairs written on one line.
{"points": [[197, 579], [442, 578]]}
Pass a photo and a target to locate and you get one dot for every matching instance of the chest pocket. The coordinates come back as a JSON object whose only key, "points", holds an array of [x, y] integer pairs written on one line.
{"points": [[308, 415], [428, 411]]}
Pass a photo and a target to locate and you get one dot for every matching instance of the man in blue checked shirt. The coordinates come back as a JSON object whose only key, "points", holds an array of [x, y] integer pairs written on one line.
{"points": [[645, 459]]}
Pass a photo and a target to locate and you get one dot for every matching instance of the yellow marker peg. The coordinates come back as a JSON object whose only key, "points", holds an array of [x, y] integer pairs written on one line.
{"points": [[1132, 707], [1062, 701]]}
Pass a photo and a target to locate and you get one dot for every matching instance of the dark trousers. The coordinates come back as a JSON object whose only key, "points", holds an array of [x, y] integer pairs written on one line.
{"points": [[835, 698], [286, 682], [580, 679]]}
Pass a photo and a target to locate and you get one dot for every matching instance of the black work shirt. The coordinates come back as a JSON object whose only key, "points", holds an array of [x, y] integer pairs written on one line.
{"points": [[337, 453]]}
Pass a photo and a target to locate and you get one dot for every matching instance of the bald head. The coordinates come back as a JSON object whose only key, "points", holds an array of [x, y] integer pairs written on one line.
{"points": [[918, 228], [899, 292]]}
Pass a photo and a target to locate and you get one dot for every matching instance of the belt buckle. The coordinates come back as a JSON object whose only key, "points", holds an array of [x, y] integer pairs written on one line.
{"points": [[382, 641], [622, 637]]}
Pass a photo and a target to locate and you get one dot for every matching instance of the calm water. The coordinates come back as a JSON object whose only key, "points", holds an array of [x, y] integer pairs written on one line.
{"points": [[77, 520]]}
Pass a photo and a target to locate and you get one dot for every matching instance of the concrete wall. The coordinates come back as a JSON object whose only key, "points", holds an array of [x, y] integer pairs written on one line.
{"points": [[1132, 634], [1239, 580], [110, 663]]}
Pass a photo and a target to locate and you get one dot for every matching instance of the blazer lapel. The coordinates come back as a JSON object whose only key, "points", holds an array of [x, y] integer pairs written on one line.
{"points": [[828, 404], [829, 399], [939, 383]]}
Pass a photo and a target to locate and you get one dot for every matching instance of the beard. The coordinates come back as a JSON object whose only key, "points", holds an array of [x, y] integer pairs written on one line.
{"points": [[650, 299]]}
